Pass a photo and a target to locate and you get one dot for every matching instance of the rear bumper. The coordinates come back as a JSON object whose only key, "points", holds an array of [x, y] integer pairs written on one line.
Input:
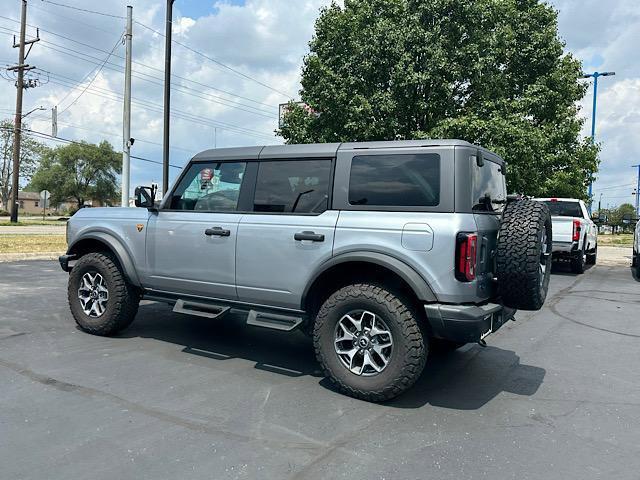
{"points": [[564, 249], [466, 323], [65, 261]]}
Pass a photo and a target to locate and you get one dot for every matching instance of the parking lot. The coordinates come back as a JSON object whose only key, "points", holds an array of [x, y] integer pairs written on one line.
{"points": [[554, 395]]}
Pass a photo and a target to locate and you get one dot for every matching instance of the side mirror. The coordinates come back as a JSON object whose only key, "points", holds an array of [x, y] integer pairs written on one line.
{"points": [[144, 197]]}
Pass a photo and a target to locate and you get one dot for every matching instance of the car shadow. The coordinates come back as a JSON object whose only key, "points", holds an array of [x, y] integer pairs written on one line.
{"points": [[465, 379], [563, 268]]}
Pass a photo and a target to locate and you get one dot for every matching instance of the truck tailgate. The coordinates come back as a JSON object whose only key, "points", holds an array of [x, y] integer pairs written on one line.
{"points": [[562, 229]]}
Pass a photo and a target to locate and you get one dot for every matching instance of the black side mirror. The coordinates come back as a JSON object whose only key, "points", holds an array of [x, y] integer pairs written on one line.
{"points": [[144, 197]]}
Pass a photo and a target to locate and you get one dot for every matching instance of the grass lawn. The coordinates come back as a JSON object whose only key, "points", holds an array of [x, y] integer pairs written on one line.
{"points": [[622, 240], [32, 243]]}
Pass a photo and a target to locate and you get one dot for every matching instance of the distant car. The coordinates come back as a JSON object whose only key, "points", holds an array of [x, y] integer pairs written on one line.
{"points": [[575, 235], [635, 265]]}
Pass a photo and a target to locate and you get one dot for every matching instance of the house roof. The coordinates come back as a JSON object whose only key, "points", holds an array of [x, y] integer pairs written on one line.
{"points": [[28, 195]]}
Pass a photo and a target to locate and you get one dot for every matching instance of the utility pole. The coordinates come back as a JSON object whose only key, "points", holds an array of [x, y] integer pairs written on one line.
{"points": [[595, 76], [126, 120], [20, 68], [638, 192], [167, 97]]}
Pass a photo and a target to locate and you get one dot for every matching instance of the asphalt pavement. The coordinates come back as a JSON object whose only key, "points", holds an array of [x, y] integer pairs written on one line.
{"points": [[554, 395]]}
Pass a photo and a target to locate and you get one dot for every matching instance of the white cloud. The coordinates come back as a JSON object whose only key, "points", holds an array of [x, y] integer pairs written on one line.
{"points": [[267, 40]]}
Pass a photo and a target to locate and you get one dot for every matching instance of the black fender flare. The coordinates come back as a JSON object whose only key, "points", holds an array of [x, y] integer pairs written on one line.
{"points": [[415, 281], [117, 247]]}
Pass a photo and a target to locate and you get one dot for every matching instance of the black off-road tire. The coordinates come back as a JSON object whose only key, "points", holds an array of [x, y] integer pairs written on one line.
{"points": [[592, 257], [522, 284], [408, 354], [123, 301], [577, 263]]}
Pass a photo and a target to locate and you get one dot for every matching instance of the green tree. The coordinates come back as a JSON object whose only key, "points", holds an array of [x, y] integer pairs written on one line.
{"points": [[30, 152], [622, 217], [81, 171], [492, 72]]}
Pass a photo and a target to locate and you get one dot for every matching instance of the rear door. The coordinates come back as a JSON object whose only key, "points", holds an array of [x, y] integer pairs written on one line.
{"points": [[191, 244], [289, 232]]}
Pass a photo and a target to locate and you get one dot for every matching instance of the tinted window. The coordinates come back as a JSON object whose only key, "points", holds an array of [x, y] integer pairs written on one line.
{"points": [[564, 209], [287, 186], [489, 191], [209, 187], [395, 180]]}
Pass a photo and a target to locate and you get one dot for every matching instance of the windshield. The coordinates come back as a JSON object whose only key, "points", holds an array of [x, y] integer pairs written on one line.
{"points": [[564, 209]]}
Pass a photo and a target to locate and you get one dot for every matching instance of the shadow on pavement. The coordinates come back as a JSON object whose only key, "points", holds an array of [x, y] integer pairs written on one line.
{"points": [[465, 379], [563, 268]]}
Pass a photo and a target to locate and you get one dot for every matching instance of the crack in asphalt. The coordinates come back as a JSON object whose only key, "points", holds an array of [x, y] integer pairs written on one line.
{"points": [[90, 392]]}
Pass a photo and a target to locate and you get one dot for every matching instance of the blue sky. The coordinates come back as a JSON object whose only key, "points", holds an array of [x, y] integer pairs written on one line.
{"points": [[264, 42]]}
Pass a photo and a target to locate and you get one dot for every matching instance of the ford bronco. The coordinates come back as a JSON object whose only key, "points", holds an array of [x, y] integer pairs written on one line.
{"points": [[380, 251]]}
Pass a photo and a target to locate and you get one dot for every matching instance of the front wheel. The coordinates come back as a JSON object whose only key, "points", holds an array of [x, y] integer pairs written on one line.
{"points": [[369, 343], [101, 300]]}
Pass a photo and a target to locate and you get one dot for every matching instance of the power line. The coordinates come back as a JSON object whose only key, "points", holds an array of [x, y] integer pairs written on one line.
{"points": [[113, 96], [217, 62], [85, 10], [159, 70], [69, 141], [93, 79]]}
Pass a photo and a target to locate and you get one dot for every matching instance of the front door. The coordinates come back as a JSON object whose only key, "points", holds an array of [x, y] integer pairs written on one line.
{"points": [[288, 235], [191, 244]]}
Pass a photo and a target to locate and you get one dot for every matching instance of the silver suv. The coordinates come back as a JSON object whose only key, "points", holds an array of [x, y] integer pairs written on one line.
{"points": [[382, 251]]}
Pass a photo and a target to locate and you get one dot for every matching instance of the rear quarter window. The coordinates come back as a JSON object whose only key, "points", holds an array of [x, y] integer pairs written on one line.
{"points": [[398, 180], [489, 190]]}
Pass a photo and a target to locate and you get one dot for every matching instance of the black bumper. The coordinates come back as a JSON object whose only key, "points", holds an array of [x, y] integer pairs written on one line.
{"points": [[65, 260], [466, 323]]}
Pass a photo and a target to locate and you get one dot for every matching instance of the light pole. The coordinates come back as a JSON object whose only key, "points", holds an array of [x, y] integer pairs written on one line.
{"points": [[595, 76], [167, 97]]}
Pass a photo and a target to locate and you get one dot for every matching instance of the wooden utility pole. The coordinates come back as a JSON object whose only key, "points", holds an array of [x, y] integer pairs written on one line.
{"points": [[20, 68]]}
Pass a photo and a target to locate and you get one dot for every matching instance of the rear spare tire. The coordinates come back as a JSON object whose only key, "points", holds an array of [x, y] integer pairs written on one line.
{"points": [[523, 255]]}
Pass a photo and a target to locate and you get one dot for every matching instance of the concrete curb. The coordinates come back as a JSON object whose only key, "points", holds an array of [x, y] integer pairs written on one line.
{"points": [[16, 257]]}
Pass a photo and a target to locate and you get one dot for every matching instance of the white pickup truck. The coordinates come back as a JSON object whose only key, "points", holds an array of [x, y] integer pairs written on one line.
{"points": [[575, 235]]}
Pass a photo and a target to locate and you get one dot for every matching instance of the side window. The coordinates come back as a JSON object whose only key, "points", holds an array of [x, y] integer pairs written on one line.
{"points": [[489, 191], [209, 187], [403, 180], [288, 186]]}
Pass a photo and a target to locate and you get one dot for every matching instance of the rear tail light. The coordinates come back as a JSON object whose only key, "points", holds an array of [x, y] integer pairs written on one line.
{"points": [[466, 253], [576, 230]]}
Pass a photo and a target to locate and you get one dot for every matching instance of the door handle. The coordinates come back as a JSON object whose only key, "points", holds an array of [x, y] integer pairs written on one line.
{"points": [[314, 237], [217, 231]]}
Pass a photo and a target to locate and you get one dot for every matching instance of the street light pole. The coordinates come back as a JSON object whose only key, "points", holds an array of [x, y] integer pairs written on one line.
{"points": [[167, 97], [595, 76]]}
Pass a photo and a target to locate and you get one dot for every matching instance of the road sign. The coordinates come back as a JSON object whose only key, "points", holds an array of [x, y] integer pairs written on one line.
{"points": [[44, 196]]}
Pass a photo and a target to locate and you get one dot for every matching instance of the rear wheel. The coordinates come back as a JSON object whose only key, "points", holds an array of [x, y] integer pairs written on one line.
{"points": [[577, 263], [101, 300], [593, 256], [523, 255], [369, 343]]}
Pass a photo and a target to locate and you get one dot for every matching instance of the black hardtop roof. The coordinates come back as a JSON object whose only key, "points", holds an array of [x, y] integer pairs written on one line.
{"points": [[324, 150]]}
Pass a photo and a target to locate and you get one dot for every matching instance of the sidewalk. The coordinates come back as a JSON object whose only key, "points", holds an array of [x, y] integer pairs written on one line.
{"points": [[34, 230]]}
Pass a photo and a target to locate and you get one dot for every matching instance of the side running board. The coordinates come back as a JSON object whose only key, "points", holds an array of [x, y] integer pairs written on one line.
{"points": [[200, 309], [273, 320]]}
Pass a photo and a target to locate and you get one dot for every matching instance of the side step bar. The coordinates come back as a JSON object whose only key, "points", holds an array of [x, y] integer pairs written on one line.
{"points": [[275, 321], [206, 310]]}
